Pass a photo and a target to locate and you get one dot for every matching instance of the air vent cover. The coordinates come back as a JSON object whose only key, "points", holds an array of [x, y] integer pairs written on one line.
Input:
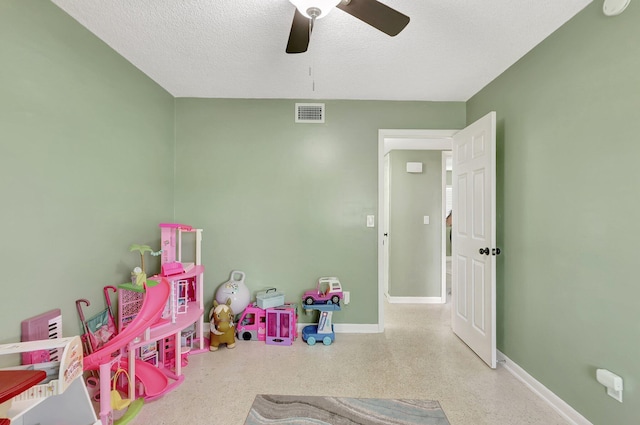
{"points": [[310, 113]]}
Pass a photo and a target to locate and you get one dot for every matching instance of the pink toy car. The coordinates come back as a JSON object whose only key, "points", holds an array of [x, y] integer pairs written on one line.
{"points": [[328, 291], [252, 324]]}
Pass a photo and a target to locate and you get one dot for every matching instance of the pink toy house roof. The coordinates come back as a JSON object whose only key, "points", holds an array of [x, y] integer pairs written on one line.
{"points": [[176, 226]]}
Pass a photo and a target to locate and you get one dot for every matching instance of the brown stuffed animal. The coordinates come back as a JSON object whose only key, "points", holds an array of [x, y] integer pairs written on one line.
{"points": [[223, 330]]}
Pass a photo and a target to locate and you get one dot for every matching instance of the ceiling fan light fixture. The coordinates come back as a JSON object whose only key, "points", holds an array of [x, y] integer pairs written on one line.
{"points": [[315, 9]]}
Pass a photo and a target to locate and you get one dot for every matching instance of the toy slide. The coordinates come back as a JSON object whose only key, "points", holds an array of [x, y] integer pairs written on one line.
{"points": [[155, 298], [155, 382]]}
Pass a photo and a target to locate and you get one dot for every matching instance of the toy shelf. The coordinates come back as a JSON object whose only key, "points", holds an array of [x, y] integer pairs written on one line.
{"points": [[323, 331], [193, 272], [64, 398], [193, 313], [166, 329]]}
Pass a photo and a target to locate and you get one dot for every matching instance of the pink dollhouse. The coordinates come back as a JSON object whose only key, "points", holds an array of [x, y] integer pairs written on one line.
{"points": [[180, 328]]}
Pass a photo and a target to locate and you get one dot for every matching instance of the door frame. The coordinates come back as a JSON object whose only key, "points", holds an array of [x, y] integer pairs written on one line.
{"points": [[390, 139]]}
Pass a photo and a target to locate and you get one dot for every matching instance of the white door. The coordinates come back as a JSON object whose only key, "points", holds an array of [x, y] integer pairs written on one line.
{"points": [[474, 237]]}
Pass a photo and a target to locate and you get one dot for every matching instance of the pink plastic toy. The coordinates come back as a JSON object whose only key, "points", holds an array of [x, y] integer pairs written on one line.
{"points": [[154, 381], [178, 297], [171, 246], [100, 328], [328, 291], [281, 325], [44, 326], [275, 325], [252, 324]]}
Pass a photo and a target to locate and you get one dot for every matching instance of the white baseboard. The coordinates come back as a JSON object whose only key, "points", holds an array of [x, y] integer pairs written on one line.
{"points": [[348, 328], [414, 300], [356, 328], [559, 405]]}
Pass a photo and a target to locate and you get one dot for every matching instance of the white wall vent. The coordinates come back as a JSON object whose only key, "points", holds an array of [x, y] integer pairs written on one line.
{"points": [[310, 113]]}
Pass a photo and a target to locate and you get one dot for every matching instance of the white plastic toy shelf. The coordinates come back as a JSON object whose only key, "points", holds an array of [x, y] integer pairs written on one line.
{"points": [[62, 397]]}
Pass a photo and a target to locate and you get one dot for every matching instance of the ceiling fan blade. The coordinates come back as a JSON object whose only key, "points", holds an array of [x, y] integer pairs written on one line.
{"points": [[376, 14], [300, 33]]}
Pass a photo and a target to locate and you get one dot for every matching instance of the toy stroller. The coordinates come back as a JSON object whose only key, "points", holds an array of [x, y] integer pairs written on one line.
{"points": [[99, 329]]}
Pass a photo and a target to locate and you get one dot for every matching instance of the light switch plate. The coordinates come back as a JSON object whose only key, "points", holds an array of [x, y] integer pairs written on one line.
{"points": [[371, 221], [426, 219]]}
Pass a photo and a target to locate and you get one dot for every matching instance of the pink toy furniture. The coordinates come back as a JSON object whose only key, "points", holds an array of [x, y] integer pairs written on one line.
{"points": [[171, 246], [281, 325]]}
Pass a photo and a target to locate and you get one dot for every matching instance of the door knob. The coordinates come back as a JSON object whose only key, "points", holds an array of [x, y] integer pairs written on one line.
{"points": [[484, 251], [495, 251]]}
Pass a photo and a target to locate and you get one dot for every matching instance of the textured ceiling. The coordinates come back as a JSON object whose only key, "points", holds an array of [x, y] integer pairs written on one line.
{"points": [[236, 48]]}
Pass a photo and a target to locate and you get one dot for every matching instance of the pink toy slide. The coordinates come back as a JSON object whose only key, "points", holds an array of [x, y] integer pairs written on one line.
{"points": [[155, 382]]}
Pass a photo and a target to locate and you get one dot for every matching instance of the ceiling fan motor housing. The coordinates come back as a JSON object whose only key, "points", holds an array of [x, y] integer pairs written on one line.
{"points": [[314, 12]]}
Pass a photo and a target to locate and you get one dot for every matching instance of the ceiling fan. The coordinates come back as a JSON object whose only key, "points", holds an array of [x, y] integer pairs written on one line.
{"points": [[372, 12]]}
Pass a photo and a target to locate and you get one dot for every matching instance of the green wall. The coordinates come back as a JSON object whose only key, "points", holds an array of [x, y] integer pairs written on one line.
{"points": [[86, 164], [568, 178], [415, 248], [287, 203]]}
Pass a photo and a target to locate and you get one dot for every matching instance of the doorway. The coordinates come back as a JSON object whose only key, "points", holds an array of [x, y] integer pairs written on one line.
{"points": [[388, 140], [448, 208], [474, 251]]}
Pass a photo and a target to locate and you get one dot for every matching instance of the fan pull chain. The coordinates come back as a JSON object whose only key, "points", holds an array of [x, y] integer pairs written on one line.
{"points": [[313, 80]]}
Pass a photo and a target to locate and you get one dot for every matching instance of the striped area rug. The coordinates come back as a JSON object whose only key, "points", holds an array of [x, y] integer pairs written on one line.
{"points": [[301, 410]]}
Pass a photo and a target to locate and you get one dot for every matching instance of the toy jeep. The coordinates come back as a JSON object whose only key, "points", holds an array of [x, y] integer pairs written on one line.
{"points": [[328, 291]]}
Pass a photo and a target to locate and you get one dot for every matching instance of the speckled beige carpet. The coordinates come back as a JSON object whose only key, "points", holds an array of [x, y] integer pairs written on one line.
{"points": [[300, 410]]}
